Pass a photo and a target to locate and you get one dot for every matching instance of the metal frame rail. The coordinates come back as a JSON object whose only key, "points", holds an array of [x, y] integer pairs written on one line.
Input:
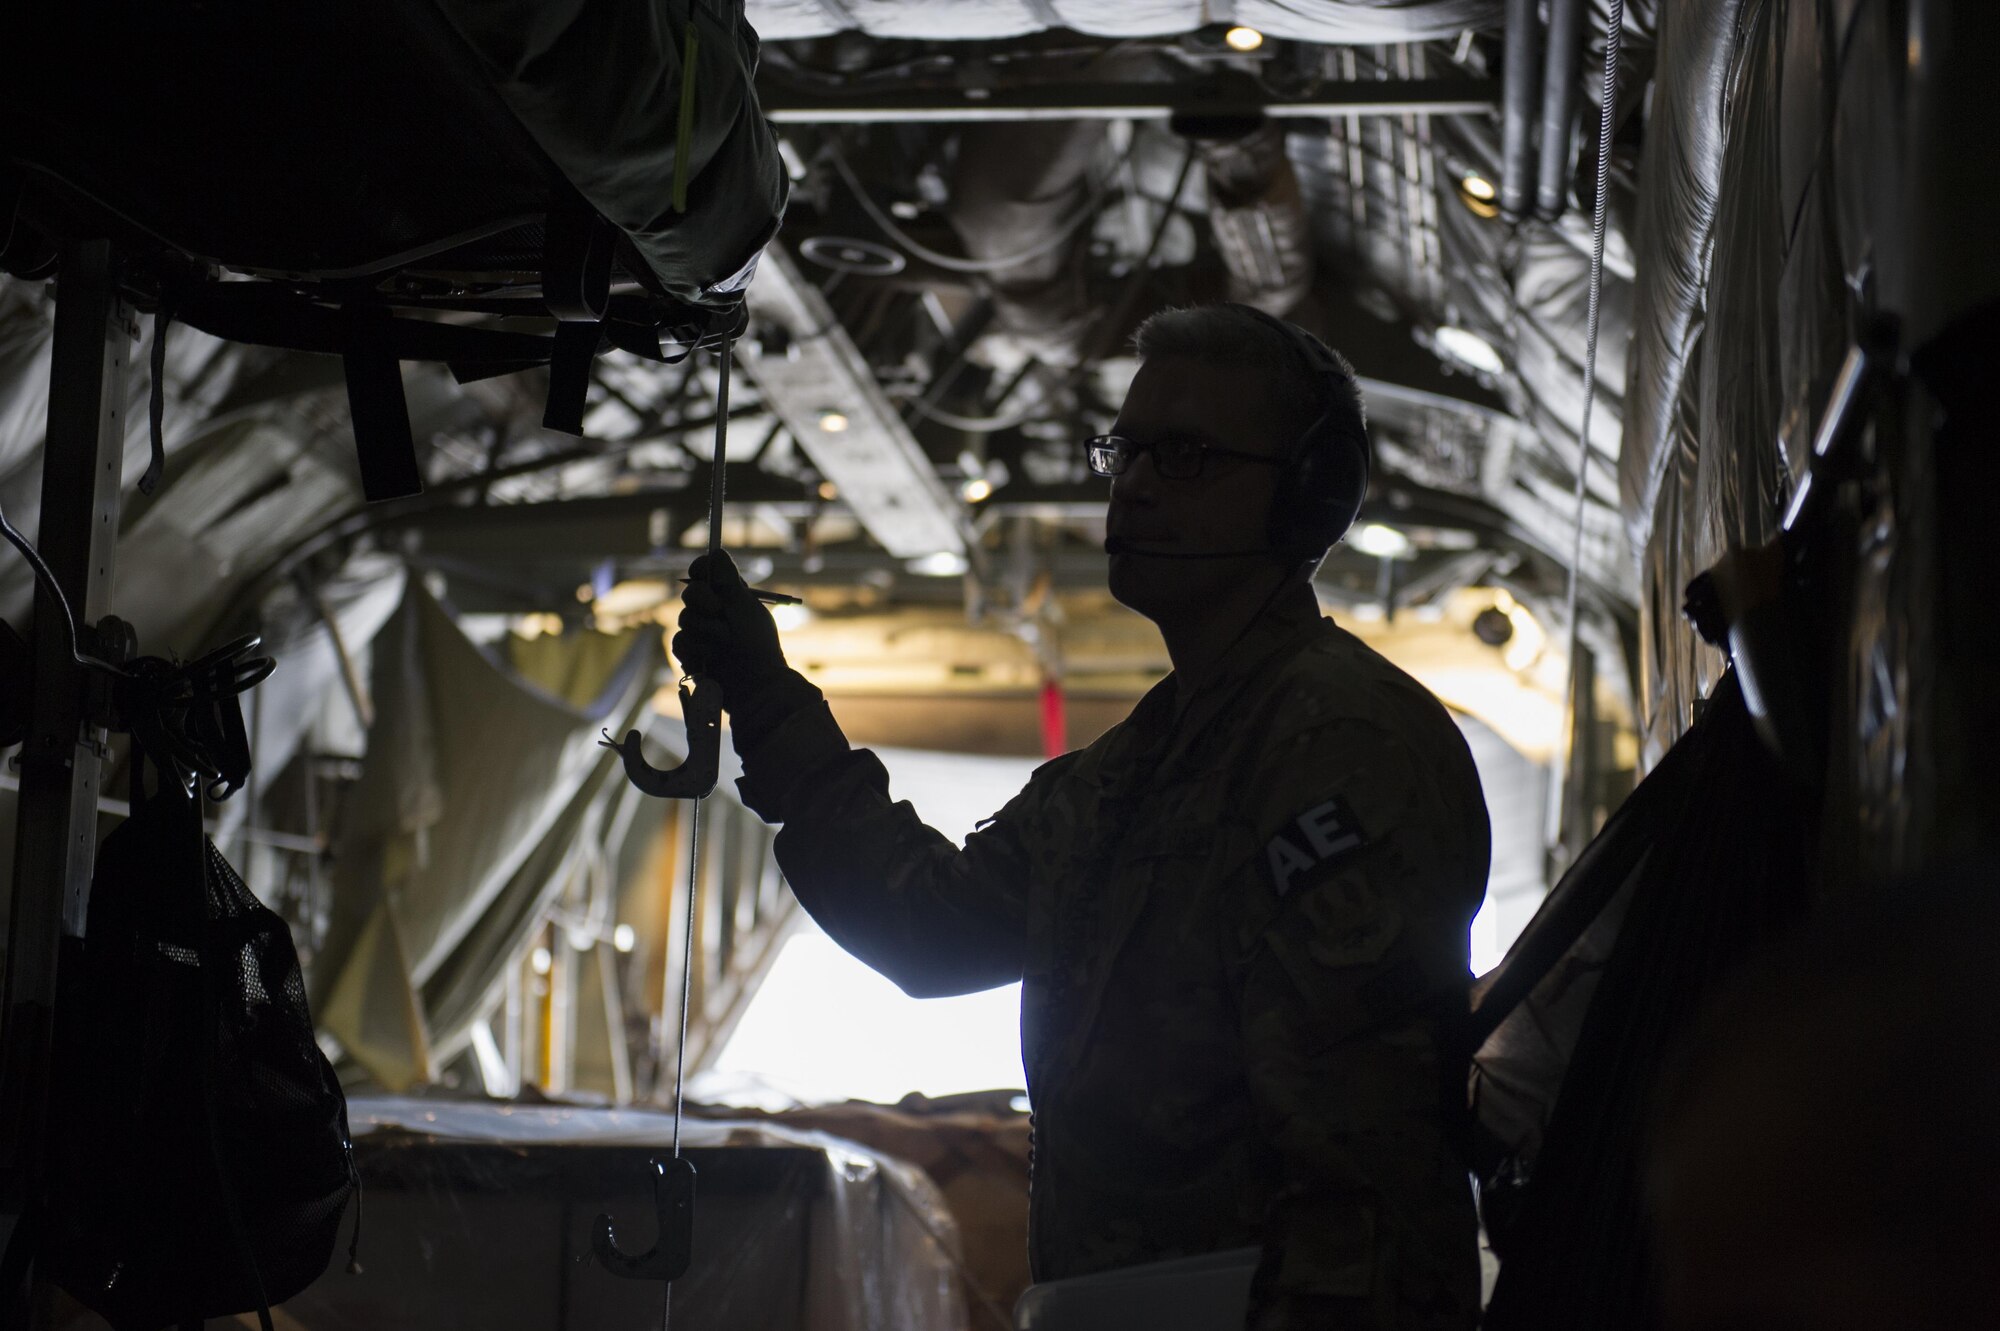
{"points": [[56, 813]]}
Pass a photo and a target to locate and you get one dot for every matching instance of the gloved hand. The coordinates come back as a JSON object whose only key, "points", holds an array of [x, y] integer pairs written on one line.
{"points": [[726, 633]]}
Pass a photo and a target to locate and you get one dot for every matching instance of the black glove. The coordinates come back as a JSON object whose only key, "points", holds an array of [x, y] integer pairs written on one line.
{"points": [[726, 633]]}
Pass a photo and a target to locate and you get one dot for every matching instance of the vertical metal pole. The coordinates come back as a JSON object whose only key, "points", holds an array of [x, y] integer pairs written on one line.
{"points": [[56, 834], [511, 1041], [560, 1060]]}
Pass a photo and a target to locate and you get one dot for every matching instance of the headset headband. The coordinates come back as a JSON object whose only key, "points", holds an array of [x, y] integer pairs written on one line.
{"points": [[1305, 514]]}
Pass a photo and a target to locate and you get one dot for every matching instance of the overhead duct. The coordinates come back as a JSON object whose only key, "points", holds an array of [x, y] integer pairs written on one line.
{"points": [[1258, 218], [1344, 22], [1560, 85], [1517, 107], [1679, 179], [1130, 100], [821, 377], [1021, 204]]}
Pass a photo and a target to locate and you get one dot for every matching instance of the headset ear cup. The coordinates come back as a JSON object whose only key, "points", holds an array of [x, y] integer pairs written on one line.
{"points": [[1320, 494], [1291, 518], [1317, 499]]}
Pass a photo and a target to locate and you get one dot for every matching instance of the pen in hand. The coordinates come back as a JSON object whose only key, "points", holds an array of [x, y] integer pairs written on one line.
{"points": [[768, 598]]}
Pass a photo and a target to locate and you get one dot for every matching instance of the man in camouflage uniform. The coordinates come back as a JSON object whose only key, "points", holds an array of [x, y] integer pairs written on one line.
{"points": [[1240, 916]]}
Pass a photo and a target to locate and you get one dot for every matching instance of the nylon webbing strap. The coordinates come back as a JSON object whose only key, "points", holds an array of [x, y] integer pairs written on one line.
{"points": [[383, 445], [156, 401], [576, 263], [569, 377]]}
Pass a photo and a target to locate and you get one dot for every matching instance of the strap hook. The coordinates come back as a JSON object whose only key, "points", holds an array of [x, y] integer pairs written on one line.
{"points": [[673, 1206]]}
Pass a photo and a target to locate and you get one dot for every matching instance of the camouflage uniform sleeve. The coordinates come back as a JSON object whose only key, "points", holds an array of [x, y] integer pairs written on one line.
{"points": [[934, 918], [1350, 946]]}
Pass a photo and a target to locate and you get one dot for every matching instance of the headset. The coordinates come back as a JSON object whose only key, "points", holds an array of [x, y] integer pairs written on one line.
{"points": [[1319, 492]]}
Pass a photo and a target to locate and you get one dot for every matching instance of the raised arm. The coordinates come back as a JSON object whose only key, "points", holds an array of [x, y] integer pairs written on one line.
{"points": [[936, 919]]}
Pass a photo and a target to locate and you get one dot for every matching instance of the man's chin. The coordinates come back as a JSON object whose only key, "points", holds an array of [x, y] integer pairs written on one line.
{"points": [[1147, 586], [1125, 581]]}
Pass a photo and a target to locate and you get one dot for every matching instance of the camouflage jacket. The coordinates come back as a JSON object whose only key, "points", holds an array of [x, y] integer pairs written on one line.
{"points": [[1239, 931]]}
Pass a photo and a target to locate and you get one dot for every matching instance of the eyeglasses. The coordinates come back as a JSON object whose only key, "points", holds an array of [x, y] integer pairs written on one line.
{"points": [[1176, 458]]}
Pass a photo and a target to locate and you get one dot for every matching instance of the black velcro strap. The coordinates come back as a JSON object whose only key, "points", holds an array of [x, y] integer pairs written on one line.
{"points": [[569, 376], [383, 444], [157, 403], [576, 263]]}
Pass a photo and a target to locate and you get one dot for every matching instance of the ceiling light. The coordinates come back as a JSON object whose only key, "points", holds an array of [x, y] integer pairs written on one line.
{"points": [[789, 617], [624, 938], [540, 961], [832, 422], [534, 626], [1479, 196], [1372, 538], [1243, 39], [976, 489], [829, 491], [1468, 349], [943, 564]]}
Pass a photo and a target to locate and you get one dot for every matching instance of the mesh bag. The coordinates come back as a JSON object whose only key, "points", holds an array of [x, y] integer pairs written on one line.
{"points": [[202, 1156]]}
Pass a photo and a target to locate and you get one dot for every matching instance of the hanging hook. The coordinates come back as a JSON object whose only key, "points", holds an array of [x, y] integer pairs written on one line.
{"points": [[673, 1206], [701, 707], [701, 711]]}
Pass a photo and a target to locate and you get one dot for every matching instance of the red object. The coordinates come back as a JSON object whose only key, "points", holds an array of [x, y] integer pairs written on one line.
{"points": [[1055, 723]]}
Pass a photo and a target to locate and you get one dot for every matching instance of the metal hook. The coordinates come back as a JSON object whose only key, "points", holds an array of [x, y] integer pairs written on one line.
{"points": [[672, 1252], [701, 710]]}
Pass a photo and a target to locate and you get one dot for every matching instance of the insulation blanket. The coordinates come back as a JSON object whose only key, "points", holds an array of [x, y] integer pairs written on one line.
{"points": [[978, 1161], [403, 141], [600, 87], [476, 800], [1793, 188], [1353, 21]]}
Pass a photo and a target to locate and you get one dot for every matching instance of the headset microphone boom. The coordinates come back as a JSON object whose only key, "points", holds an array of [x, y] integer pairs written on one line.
{"points": [[1118, 545]]}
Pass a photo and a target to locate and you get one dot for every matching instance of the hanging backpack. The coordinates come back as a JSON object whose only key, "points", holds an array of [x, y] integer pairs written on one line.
{"points": [[202, 1156]]}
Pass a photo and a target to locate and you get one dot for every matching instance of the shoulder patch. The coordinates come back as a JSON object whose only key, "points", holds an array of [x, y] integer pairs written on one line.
{"points": [[1320, 836]]}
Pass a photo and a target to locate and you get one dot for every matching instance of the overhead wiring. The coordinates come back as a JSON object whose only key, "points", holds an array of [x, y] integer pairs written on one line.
{"points": [[996, 424], [1108, 317], [950, 262]]}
